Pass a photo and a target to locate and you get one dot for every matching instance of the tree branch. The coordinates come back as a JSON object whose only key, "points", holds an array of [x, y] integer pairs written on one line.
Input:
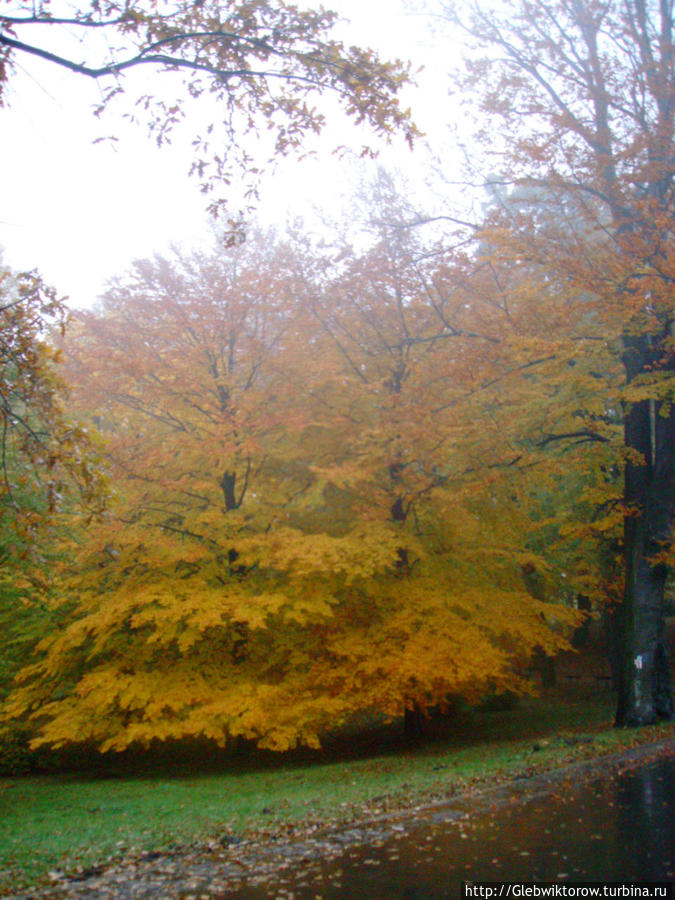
{"points": [[580, 437]]}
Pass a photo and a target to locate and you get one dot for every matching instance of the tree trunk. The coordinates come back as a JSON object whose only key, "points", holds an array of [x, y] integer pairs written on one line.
{"points": [[545, 665], [227, 483], [644, 675], [613, 624], [413, 722]]}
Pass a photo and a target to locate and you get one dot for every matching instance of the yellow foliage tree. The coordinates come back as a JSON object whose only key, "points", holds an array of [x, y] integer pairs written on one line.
{"points": [[312, 517]]}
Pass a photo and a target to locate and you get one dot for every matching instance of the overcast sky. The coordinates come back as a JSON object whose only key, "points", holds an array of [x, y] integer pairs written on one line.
{"points": [[81, 212]]}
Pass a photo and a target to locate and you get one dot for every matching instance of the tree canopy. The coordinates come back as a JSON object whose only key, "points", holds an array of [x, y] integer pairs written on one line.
{"points": [[309, 520]]}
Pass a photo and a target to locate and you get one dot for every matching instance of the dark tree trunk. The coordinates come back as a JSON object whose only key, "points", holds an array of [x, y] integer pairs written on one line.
{"points": [[613, 640], [545, 665], [644, 674], [398, 514], [227, 484], [413, 722]]}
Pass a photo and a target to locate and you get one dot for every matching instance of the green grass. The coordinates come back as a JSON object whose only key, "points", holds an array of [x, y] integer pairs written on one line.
{"points": [[69, 821]]}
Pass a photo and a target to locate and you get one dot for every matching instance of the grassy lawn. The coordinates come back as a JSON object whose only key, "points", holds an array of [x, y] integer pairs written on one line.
{"points": [[69, 821]]}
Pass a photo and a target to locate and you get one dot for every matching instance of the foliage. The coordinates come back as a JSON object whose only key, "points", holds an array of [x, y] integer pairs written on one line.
{"points": [[582, 96], [16, 757], [261, 65], [44, 455], [312, 516], [48, 463], [570, 417], [23, 622]]}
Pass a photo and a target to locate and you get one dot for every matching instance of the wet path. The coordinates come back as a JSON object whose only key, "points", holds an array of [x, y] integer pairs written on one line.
{"points": [[617, 826]]}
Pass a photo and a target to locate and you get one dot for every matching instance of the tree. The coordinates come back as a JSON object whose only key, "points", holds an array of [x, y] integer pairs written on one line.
{"points": [[49, 465], [186, 613], [415, 335], [583, 94], [44, 454], [301, 530], [260, 66]]}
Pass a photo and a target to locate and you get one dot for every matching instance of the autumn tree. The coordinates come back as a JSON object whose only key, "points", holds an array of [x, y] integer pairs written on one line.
{"points": [[206, 595], [49, 465], [44, 455], [300, 531], [435, 453], [181, 621], [582, 96], [255, 69]]}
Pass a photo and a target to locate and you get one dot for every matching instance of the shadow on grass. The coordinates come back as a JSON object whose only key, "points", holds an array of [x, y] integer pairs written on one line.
{"points": [[362, 739]]}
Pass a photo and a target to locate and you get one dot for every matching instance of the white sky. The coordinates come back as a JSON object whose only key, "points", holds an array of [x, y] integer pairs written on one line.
{"points": [[81, 212]]}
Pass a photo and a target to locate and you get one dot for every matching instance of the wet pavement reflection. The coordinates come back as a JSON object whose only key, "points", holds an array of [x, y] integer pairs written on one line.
{"points": [[617, 826]]}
